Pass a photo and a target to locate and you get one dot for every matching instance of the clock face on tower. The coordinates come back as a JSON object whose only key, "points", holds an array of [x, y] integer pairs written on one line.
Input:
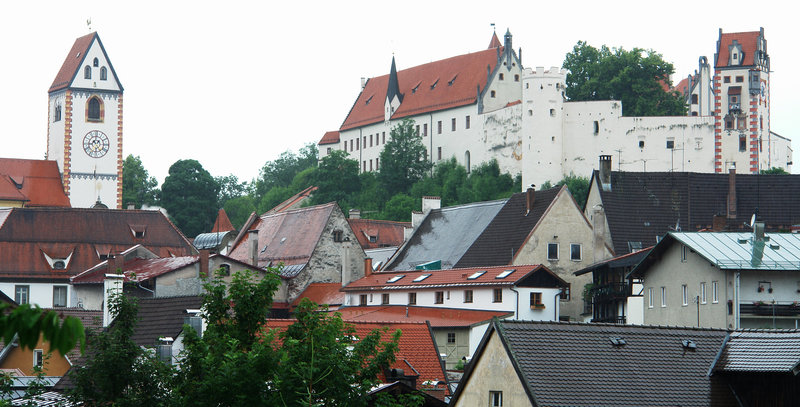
{"points": [[95, 144]]}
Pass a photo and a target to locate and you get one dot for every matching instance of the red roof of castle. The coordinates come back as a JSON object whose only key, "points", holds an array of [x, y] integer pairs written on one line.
{"points": [[495, 42], [386, 233], [39, 182], [748, 41], [330, 137], [434, 86]]}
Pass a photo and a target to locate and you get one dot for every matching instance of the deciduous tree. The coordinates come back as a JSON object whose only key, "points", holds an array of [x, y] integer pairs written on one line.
{"points": [[189, 194], [138, 187], [403, 159]]}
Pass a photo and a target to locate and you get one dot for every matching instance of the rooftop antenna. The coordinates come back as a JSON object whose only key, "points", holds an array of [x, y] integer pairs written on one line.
{"points": [[493, 27]]}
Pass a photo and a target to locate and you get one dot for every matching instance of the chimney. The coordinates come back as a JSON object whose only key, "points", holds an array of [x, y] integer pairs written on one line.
{"points": [[529, 199], [204, 260], [430, 202], [253, 246], [112, 286], [605, 172], [115, 263], [367, 266], [718, 223], [598, 232], [131, 205], [355, 214], [758, 231], [416, 219], [732, 192], [363, 82]]}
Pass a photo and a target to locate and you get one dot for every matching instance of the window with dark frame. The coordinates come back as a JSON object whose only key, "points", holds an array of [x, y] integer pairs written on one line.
{"points": [[453, 124], [495, 399], [103, 74], [439, 153], [552, 251], [439, 127], [424, 129], [94, 109], [38, 357], [497, 295], [412, 298], [87, 72], [670, 144], [362, 300], [726, 79], [536, 299], [439, 297], [385, 299], [451, 337], [466, 122], [467, 296], [575, 252], [96, 63]]}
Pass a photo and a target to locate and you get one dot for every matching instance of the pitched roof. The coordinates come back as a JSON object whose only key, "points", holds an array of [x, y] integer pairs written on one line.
{"points": [[437, 317], [761, 351], [289, 237], [578, 364], [625, 260], [294, 201], [385, 233], [29, 235], [509, 230], [434, 86], [495, 42], [641, 206], [330, 137], [162, 317], [416, 351], [445, 234], [322, 293], [222, 223], [74, 61], [136, 269], [748, 41], [461, 277], [37, 182]]}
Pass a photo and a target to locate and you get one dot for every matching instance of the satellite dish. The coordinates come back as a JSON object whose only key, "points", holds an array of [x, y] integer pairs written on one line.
{"points": [[753, 220]]}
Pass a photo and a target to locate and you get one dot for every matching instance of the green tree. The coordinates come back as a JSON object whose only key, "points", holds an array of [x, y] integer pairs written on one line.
{"points": [[403, 159], [775, 171], [281, 171], [577, 186], [117, 371], [29, 323], [189, 194], [239, 210], [399, 208], [138, 187], [637, 78], [336, 178], [230, 188]]}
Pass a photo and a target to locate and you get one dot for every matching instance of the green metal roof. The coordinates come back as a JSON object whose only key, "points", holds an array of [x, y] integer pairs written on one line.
{"points": [[777, 251]]}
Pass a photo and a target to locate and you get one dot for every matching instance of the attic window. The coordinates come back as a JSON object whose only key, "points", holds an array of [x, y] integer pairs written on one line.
{"points": [[395, 278], [689, 344], [414, 90], [95, 63], [59, 265], [422, 277], [87, 72], [103, 74], [433, 86], [505, 273], [476, 275], [634, 246], [224, 270], [368, 100], [337, 235], [616, 341], [138, 231], [450, 82], [373, 239]]}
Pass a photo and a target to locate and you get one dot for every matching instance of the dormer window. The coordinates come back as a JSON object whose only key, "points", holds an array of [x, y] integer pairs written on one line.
{"points": [[138, 231], [59, 264], [87, 72]]}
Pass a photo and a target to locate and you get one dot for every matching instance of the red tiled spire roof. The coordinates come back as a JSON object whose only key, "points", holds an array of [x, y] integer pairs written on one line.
{"points": [[434, 86], [73, 62], [748, 41], [495, 42], [222, 224]]}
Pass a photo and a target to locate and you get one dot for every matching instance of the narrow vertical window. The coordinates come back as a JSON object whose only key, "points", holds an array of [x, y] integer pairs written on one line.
{"points": [[87, 72], [497, 295], [96, 63], [376, 165], [362, 300], [466, 161], [683, 253], [703, 293], [38, 358], [424, 129], [685, 295], [466, 122], [439, 127], [650, 297], [412, 298], [663, 296], [103, 74], [94, 109], [383, 138], [453, 124], [370, 140], [495, 399], [439, 152], [714, 292]]}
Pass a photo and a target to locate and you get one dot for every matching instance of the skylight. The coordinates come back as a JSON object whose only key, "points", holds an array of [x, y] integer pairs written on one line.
{"points": [[476, 275], [617, 341], [395, 278], [422, 277], [505, 273]]}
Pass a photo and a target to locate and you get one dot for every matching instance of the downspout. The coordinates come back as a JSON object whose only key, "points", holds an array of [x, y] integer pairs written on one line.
{"points": [[516, 310], [430, 127], [555, 301], [360, 150], [736, 287]]}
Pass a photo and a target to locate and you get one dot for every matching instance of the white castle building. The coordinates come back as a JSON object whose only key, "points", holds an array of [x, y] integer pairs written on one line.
{"points": [[485, 105], [84, 131]]}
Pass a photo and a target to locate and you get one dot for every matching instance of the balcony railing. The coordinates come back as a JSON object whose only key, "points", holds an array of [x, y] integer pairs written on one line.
{"points": [[770, 309], [610, 320], [610, 290]]}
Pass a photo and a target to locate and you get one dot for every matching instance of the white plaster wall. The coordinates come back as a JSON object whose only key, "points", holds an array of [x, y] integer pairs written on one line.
{"points": [[95, 83], [89, 296], [550, 312], [482, 298], [506, 90], [40, 294], [55, 129]]}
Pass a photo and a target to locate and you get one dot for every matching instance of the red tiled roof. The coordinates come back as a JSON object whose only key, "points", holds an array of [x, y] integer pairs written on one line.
{"points": [[416, 348], [330, 137], [748, 41], [434, 86], [322, 293], [495, 42], [73, 62], [40, 181], [289, 237], [293, 201], [514, 103], [445, 278], [437, 317], [222, 224], [139, 269], [387, 233], [683, 86], [26, 234]]}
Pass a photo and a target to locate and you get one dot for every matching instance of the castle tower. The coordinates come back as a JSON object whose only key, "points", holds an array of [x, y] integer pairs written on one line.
{"points": [[741, 103], [84, 131]]}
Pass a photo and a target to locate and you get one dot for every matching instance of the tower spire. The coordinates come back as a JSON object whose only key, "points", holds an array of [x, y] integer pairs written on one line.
{"points": [[394, 85]]}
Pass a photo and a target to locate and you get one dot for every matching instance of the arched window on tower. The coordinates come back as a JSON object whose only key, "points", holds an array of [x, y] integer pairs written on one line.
{"points": [[57, 113], [87, 72], [94, 109], [103, 74], [95, 63]]}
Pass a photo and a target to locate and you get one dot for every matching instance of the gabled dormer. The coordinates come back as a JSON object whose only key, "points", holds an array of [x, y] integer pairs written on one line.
{"points": [[735, 54], [393, 95]]}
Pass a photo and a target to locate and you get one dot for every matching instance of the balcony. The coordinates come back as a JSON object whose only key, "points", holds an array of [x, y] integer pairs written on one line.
{"points": [[610, 291], [769, 309], [734, 108], [610, 320]]}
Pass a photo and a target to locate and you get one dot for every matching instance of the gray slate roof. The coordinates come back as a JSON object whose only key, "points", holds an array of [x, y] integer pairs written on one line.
{"points": [[641, 206], [760, 351], [572, 364], [162, 316], [445, 235]]}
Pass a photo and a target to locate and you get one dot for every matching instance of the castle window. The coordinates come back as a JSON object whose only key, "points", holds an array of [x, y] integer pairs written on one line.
{"points": [[376, 164], [501, 76], [596, 127], [96, 63], [417, 131], [727, 79], [453, 124], [516, 78], [553, 112], [439, 127], [694, 99], [370, 140], [742, 143], [87, 72], [492, 93], [439, 153], [103, 74], [670, 144], [466, 122], [383, 136], [94, 109], [641, 143], [466, 161], [57, 113], [694, 113], [739, 79]]}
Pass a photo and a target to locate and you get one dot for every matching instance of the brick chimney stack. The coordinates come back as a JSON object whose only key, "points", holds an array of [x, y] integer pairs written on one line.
{"points": [[732, 192], [529, 199]]}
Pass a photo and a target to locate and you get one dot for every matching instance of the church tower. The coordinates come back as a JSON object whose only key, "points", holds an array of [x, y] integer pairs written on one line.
{"points": [[742, 135], [84, 131]]}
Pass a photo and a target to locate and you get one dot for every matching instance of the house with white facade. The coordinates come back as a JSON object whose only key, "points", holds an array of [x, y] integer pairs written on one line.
{"points": [[485, 105], [722, 280], [530, 292]]}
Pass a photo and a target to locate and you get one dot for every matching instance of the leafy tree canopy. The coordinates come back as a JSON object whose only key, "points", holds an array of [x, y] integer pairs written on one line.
{"points": [[403, 160], [189, 194], [775, 171], [336, 178], [636, 78], [281, 172], [577, 186], [138, 187], [29, 323]]}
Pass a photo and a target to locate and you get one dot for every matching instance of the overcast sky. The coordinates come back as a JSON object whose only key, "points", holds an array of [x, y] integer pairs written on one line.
{"points": [[234, 84]]}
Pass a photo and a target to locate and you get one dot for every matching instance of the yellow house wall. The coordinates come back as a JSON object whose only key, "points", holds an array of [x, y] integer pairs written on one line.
{"points": [[22, 359], [493, 371]]}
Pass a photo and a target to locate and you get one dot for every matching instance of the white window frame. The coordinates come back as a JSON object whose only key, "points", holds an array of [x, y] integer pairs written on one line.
{"points": [[685, 294], [703, 298], [558, 250], [66, 295], [495, 398], [580, 251], [38, 358], [663, 297], [714, 292], [649, 297], [18, 294]]}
